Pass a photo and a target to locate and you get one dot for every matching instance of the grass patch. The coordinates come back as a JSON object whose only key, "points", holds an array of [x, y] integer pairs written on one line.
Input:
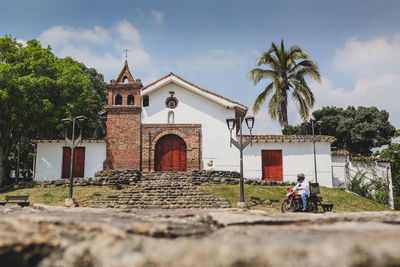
{"points": [[271, 197], [55, 196]]}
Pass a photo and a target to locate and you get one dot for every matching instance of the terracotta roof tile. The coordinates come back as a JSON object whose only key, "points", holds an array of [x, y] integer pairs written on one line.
{"points": [[192, 84], [156, 81], [340, 152], [358, 157], [271, 138], [63, 141], [361, 158]]}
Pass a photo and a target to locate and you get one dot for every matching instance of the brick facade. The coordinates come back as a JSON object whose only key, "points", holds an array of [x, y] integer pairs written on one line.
{"points": [[190, 133], [131, 144], [123, 138], [123, 123]]}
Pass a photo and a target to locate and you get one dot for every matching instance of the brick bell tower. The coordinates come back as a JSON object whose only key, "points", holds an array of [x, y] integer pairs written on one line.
{"points": [[123, 122]]}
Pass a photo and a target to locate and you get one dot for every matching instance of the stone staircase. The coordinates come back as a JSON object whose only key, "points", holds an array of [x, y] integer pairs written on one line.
{"points": [[161, 190]]}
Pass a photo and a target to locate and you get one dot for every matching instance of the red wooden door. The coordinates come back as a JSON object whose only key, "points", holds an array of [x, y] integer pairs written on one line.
{"points": [[271, 161], [79, 162], [170, 154]]}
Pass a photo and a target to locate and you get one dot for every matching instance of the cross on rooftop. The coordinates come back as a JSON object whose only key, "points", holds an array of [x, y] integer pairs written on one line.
{"points": [[126, 52]]}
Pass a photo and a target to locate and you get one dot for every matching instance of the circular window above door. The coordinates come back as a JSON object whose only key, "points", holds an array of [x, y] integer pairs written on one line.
{"points": [[171, 102]]}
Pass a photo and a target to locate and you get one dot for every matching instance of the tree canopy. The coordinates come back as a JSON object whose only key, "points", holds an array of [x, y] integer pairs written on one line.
{"points": [[357, 130], [287, 71], [37, 90]]}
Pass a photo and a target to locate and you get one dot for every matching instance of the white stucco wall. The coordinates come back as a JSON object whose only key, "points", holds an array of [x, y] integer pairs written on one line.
{"points": [[194, 108], [370, 170], [296, 158], [339, 179], [380, 169], [49, 159]]}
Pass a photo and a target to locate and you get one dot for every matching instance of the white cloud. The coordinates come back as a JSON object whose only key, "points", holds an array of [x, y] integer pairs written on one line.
{"points": [[255, 53], [101, 48], [104, 63], [374, 66], [59, 35], [263, 124], [22, 41], [158, 16], [214, 60], [128, 33], [381, 91], [371, 57]]}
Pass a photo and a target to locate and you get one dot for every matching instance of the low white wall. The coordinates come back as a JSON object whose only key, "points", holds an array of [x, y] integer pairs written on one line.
{"points": [[50, 155], [371, 171], [380, 169], [339, 179], [296, 158]]}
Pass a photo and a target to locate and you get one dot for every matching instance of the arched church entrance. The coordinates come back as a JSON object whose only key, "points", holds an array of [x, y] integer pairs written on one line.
{"points": [[170, 154]]}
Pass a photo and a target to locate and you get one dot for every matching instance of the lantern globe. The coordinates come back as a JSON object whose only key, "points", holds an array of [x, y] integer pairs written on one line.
{"points": [[230, 122], [249, 122]]}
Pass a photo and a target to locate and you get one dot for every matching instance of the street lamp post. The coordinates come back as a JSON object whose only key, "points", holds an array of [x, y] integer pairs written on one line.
{"points": [[315, 157], [240, 145], [73, 143]]}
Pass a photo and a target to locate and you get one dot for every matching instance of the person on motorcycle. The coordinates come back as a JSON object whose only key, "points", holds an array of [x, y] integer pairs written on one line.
{"points": [[303, 187]]}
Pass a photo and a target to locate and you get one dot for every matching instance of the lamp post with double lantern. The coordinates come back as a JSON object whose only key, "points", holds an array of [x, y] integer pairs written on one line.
{"points": [[231, 122], [72, 144]]}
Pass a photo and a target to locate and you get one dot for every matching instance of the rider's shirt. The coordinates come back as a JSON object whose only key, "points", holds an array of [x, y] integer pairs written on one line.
{"points": [[305, 188]]}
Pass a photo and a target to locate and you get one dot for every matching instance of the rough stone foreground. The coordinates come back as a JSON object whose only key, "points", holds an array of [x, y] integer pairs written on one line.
{"points": [[57, 236]]}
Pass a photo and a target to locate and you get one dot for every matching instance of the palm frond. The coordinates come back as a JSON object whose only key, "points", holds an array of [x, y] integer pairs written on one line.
{"points": [[273, 105], [303, 89], [305, 63], [307, 72], [262, 97], [301, 104], [288, 70], [258, 74], [268, 59], [296, 52]]}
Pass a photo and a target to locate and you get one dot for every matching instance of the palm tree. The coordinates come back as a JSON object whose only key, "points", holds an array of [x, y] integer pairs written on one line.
{"points": [[286, 75]]}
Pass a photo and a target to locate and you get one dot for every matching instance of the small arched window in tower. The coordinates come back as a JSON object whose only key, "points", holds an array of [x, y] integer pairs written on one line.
{"points": [[130, 100], [146, 101], [171, 117], [125, 79], [118, 100]]}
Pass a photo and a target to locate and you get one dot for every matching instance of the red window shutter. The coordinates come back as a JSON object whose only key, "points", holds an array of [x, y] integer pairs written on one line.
{"points": [[79, 162], [66, 162], [271, 161]]}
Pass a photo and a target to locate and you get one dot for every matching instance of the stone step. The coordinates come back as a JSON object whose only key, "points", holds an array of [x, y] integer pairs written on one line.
{"points": [[160, 190]]}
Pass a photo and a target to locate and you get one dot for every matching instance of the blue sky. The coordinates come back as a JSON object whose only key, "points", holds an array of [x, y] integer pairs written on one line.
{"points": [[215, 43]]}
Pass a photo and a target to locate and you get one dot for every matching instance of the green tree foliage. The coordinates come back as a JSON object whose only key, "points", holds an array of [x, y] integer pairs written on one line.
{"points": [[37, 90], [357, 130], [288, 70]]}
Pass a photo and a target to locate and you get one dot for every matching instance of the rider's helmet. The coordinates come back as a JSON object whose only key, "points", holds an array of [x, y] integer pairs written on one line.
{"points": [[300, 177]]}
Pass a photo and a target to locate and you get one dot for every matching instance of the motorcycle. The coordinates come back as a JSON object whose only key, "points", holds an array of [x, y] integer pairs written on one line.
{"points": [[293, 202]]}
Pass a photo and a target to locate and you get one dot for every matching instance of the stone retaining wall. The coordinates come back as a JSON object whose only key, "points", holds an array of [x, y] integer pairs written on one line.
{"points": [[110, 178], [116, 178]]}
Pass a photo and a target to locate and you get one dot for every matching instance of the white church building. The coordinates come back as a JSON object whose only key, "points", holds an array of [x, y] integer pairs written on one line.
{"points": [[175, 125]]}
